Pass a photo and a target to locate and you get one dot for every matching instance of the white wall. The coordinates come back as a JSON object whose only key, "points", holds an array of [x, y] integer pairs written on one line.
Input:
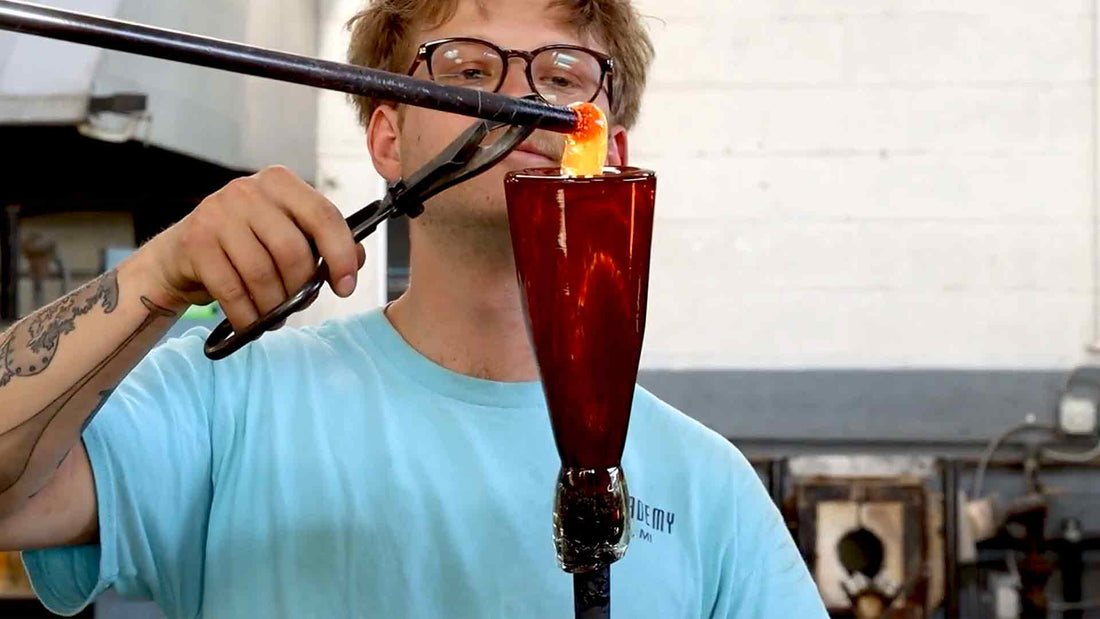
{"points": [[870, 183]]}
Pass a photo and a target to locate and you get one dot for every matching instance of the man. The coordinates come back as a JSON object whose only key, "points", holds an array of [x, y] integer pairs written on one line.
{"points": [[396, 464]]}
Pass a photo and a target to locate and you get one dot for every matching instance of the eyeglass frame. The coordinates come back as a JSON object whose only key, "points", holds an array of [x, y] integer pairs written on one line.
{"points": [[607, 63]]}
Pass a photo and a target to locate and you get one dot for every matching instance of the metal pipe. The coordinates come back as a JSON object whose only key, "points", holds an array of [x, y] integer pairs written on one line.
{"points": [[951, 515], [592, 594], [29, 18], [1072, 563], [777, 480]]}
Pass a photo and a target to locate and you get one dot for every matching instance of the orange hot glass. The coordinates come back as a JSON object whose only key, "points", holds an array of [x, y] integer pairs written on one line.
{"points": [[582, 250]]}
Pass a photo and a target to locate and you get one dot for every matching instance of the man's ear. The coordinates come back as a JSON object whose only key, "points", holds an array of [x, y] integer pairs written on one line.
{"points": [[383, 140], [616, 146]]}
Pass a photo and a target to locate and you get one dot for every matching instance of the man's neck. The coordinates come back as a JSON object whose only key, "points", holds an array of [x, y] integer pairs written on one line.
{"points": [[463, 311]]}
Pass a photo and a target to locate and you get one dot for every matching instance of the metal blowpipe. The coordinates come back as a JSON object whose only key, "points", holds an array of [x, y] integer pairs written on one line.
{"points": [[35, 19]]}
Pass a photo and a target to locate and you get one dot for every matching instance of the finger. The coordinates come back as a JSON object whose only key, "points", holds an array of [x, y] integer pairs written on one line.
{"points": [[361, 254], [221, 280], [286, 244], [321, 220], [254, 265]]}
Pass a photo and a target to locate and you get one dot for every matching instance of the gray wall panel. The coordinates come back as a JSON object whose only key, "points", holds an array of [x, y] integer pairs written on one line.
{"points": [[930, 406]]}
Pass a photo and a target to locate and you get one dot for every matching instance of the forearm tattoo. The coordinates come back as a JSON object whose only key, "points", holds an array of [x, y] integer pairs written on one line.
{"points": [[29, 349], [32, 344]]}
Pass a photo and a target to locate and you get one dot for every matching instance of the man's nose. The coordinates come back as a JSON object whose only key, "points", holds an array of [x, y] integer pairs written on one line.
{"points": [[515, 83]]}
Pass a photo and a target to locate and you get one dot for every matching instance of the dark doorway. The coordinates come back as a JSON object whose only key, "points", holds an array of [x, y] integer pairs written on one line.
{"points": [[50, 169]]}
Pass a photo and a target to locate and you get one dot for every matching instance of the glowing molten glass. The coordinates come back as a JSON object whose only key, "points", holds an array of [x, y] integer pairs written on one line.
{"points": [[582, 250], [586, 148]]}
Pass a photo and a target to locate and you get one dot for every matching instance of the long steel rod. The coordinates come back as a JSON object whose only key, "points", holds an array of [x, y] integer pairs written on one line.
{"points": [[592, 594], [29, 18]]}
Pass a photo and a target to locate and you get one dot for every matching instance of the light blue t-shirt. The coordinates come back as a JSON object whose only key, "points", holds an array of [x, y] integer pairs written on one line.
{"points": [[336, 472]]}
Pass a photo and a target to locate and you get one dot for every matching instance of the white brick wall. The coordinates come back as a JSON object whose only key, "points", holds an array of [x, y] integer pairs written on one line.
{"points": [[867, 183]]}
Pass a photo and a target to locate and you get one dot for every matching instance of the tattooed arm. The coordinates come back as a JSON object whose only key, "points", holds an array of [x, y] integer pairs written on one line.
{"points": [[244, 246], [57, 367]]}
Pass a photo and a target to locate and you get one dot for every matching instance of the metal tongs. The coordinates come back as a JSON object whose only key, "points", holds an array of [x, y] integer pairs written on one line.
{"points": [[463, 159]]}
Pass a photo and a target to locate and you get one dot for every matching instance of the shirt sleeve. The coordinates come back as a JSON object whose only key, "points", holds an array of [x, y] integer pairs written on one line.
{"points": [[150, 451], [762, 573]]}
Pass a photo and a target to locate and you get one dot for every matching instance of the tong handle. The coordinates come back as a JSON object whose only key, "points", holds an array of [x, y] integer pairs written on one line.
{"points": [[224, 340]]}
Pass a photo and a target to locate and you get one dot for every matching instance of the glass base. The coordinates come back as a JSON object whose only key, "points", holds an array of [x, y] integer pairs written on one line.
{"points": [[591, 526]]}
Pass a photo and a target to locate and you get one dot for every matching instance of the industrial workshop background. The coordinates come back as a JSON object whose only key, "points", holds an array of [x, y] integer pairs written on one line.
{"points": [[878, 240]]}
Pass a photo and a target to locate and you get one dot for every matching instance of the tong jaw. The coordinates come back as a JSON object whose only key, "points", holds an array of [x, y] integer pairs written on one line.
{"points": [[463, 159]]}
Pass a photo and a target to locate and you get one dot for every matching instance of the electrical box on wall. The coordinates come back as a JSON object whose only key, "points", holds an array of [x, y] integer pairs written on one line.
{"points": [[1077, 406], [1077, 415]]}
